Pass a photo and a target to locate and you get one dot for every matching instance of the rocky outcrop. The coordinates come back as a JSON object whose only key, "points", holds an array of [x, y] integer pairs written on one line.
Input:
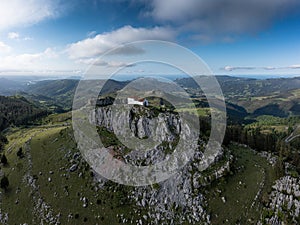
{"points": [[138, 122], [173, 201], [284, 205], [179, 199]]}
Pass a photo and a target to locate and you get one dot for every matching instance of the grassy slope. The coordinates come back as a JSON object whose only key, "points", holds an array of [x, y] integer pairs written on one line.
{"points": [[48, 147], [252, 174], [16, 171], [287, 101]]}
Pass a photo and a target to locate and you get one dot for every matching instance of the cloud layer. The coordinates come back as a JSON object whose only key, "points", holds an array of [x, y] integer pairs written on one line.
{"points": [[92, 47], [4, 48], [220, 16], [15, 13], [99, 62], [26, 61], [233, 68], [196, 20]]}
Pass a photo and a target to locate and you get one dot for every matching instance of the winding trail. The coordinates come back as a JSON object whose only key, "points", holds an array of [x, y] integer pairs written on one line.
{"points": [[295, 134]]}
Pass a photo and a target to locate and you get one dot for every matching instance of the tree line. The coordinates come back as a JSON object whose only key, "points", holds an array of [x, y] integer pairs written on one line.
{"points": [[18, 111], [271, 141]]}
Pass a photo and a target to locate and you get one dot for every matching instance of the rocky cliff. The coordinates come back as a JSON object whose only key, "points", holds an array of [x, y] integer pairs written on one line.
{"points": [[179, 198], [139, 122]]}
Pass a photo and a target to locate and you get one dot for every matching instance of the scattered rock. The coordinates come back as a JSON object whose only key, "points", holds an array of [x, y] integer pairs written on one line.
{"points": [[85, 202], [73, 168], [223, 199]]}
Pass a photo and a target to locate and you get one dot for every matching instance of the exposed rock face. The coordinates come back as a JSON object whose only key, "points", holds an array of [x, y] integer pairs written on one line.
{"points": [[173, 201], [3, 217], [139, 122], [269, 156], [178, 199], [285, 201]]}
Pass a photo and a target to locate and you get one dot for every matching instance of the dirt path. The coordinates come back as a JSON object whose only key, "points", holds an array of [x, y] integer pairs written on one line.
{"points": [[294, 135]]}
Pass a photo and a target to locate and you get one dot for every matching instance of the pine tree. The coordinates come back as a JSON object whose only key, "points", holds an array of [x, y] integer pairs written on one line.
{"points": [[4, 160], [279, 166], [4, 183], [20, 153]]}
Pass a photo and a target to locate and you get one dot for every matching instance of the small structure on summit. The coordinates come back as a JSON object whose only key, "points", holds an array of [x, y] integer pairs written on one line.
{"points": [[136, 101]]}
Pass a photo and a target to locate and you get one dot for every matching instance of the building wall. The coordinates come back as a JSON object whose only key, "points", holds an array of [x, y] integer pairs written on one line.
{"points": [[132, 101]]}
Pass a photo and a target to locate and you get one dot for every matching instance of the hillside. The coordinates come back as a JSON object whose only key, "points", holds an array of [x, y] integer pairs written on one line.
{"points": [[18, 111], [53, 92], [64, 189], [235, 87], [276, 104], [51, 183], [43, 189], [9, 87], [53, 88], [59, 94], [276, 97]]}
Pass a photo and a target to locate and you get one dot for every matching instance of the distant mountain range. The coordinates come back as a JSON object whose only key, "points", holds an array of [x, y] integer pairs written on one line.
{"points": [[278, 96], [234, 87]]}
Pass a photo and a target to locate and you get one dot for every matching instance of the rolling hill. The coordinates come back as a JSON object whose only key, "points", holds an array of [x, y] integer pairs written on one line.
{"points": [[277, 97], [18, 111]]}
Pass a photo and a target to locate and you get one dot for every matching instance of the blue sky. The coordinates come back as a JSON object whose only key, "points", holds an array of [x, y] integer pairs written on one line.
{"points": [[234, 37]]}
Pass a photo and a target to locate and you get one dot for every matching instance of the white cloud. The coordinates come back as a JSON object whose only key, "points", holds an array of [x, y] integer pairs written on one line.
{"points": [[14, 13], [99, 62], [220, 16], [101, 43], [91, 34], [4, 48], [232, 68], [26, 61], [49, 53], [41, 72], [13, 35], [23, 61], [17, 36], [294, 66], [27, 38]]}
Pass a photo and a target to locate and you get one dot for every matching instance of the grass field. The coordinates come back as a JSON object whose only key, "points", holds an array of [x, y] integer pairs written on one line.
{"points": [[284, 100], [53, 191], [237, 199], [196, 111]]}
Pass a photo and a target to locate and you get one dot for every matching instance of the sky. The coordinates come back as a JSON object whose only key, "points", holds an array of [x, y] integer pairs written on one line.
{"points": [[233, 37]]}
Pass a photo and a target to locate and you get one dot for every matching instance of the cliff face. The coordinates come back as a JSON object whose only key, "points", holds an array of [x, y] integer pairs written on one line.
{"points": [[152, 134], [139, 122], [179, 198]]}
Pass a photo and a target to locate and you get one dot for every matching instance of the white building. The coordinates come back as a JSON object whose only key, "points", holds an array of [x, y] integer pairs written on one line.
{"points": [[134, 101]]}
